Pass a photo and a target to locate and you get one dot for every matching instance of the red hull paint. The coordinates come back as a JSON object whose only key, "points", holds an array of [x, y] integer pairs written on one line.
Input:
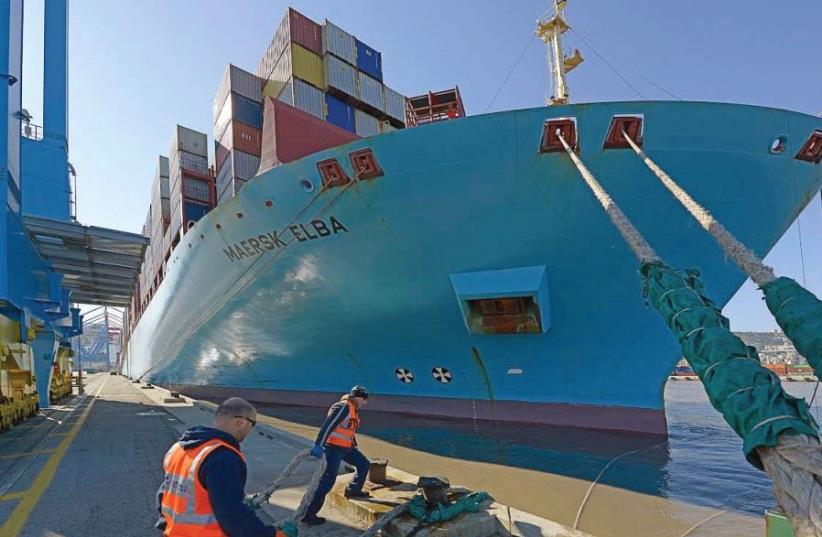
{"points": [[631, 419]]}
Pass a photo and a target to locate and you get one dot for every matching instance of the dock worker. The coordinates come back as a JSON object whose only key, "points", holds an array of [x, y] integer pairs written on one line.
{"points": [[337, 441], [203, 490]]}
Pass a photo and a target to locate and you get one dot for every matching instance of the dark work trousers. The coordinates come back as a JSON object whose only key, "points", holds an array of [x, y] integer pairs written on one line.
{"points": [[334, 456]]}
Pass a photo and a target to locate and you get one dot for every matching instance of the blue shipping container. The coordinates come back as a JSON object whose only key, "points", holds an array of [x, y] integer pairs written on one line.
{"points": [[369, 61], [194, 211], [246, 111], [340, 113]]}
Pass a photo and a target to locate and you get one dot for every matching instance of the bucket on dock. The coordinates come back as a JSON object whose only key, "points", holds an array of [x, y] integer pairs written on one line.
{"points": [[377, 471]]}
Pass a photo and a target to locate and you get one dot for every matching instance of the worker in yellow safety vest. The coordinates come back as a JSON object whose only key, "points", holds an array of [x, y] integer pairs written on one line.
{"points": [[203, 491], [337, 440]]}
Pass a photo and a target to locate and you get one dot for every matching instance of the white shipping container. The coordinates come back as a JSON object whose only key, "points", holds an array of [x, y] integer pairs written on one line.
{"points": [[189, 140], [365, 124], [304, 96], [161, 188], [245, 165], [230, 190], [187, 161], [223, 119], [394, 104], [162, 210], [275, 49], [339, 43], [340, 75], [282, 69], [197, 190], [176, 224], [370, 91], [162, 167], [239, 81]]}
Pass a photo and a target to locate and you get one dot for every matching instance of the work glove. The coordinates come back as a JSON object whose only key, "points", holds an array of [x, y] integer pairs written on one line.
{"points": [[289, 529], [317, 451]]}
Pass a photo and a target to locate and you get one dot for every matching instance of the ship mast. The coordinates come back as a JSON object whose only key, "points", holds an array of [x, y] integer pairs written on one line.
{"points": [[550, 31]]}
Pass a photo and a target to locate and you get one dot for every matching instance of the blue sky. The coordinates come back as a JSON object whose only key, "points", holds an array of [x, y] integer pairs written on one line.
{"points": [[139, 68]]}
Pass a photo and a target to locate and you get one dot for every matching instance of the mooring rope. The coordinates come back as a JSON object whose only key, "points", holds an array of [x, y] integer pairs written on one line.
{"points": [[754, 267], [642, 250], [795, 463], [258, 500]]}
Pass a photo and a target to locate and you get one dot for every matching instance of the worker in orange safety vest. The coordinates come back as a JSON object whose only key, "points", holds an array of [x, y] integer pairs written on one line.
{"points": [[203, 491], [338, 442]]}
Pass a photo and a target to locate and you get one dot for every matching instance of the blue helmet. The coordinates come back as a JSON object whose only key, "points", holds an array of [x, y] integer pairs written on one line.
{"points": [[358, 391]]}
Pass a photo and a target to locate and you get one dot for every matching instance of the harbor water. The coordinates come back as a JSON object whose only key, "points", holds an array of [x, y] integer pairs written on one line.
{"points": [[700, 464]]}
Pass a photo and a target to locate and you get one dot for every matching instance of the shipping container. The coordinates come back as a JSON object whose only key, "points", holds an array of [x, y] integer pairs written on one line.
{"points": [[245, 165], [162, 167], [298, 62], [238, 165], [340, 76], [221, 153], [339, 113], [238, 108], [238, 81], [188, 140], [339, 43], [294, 28], [394, 104], [370, 91], [230, 190], [365, 124], [225, 174], [305, 31], [369, 60], [291, 134], [196, 189], [304, 96], [187, 161], [193, 211], [243, 137]]}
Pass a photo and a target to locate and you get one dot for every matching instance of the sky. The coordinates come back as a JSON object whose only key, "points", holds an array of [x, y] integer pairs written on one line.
{"points": [[139, 68]]}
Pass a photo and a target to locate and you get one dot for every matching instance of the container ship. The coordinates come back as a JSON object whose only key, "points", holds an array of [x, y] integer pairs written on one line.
{"points": [[343, 234]]}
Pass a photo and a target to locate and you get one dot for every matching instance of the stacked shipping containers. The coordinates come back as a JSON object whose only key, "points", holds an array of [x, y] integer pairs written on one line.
{"points": [[238, 124], [191, 183], [321, 70], [160, 217]]}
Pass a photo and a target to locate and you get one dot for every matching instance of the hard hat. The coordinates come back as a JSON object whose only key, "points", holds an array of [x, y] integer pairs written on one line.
{"points": [[358, 391]]}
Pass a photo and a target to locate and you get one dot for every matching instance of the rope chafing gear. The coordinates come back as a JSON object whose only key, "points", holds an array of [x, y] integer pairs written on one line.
{"points": [[779, 435], [797, 311]]}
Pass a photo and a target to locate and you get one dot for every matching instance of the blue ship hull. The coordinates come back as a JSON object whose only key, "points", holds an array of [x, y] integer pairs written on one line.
{"points": [[263, 301]]}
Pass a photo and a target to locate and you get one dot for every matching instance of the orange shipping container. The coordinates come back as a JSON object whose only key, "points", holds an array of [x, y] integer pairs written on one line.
{"points": [[243, 138]]}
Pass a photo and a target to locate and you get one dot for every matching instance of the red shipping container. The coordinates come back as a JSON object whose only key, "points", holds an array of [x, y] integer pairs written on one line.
{"points": [[246, 138], [305, 32], [220, 154], [290, 134]]}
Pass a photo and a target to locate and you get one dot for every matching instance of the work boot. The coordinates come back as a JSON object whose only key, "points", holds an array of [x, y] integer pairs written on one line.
{"points": [[313, 520], [356, 494]]}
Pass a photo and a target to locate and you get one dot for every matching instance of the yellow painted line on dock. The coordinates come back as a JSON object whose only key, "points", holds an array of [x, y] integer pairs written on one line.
{"points": [[26, 454], [17, 519], [13, 495]]}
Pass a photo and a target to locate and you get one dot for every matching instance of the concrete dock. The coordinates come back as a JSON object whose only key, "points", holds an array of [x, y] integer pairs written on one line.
{"points": [[92, 467]]}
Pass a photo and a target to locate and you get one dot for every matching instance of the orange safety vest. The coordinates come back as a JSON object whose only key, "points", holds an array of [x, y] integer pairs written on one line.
{"points": [[186, 507], [343, 434]]}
